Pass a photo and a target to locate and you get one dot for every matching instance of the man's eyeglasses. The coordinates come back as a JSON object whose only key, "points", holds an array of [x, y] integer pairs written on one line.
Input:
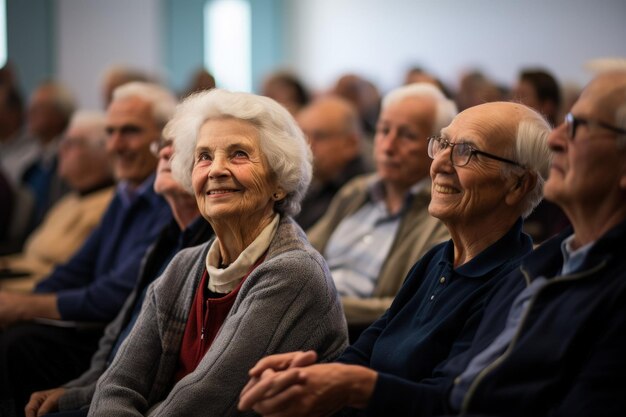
{"points": [[572, 122], [461, 152], [156, 147]]}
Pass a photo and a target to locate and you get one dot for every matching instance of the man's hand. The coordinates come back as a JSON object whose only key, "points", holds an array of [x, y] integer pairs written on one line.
{"points": [[12, 307], [317, 390], [16, 307], [283, 361], [278, 362], [43, 402]]}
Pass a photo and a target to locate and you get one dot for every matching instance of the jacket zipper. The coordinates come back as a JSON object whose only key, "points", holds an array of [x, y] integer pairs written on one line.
{"points": [[474, 386]]}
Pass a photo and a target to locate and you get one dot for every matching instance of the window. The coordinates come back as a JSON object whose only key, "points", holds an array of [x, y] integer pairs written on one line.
{"points": [[227, 51], [3, 33]]}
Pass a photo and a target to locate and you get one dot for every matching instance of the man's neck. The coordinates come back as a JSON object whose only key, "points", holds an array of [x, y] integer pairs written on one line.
{"points": [[592, 223]]}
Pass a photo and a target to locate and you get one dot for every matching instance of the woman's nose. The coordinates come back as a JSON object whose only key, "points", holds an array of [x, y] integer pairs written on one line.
{"points": [[219, 167]]}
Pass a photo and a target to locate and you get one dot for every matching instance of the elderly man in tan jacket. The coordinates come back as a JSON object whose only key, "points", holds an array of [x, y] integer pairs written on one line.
{"points": [[378, 224]]}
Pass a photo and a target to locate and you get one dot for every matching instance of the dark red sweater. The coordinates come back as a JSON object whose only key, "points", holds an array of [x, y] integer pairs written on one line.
{"points": [[208, 312]]}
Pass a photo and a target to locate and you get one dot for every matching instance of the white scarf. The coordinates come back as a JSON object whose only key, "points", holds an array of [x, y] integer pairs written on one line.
{"points": [[225, 280]]}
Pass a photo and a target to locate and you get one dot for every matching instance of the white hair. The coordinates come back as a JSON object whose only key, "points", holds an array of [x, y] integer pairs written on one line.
{"points": [[281, 141], [445, 109], [531, 150], [162, 102], [94, 123]]}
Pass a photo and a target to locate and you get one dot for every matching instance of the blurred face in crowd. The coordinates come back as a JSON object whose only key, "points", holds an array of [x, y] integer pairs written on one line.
{"points": [[400, 143], [330, 127], [525, 93], [45, 120], [164, 182], [131, 129], [83, 162]]}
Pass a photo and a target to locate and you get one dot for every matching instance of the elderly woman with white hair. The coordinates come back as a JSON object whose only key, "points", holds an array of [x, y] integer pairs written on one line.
{"points": [[258, 288]]}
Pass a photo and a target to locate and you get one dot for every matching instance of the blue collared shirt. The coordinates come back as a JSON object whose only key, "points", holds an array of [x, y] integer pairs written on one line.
{"points": [[360, 244]]}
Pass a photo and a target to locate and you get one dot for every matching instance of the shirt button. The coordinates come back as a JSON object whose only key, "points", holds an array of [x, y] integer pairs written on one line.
{"points": [[432, 297], [367, 239], [442, 280]]}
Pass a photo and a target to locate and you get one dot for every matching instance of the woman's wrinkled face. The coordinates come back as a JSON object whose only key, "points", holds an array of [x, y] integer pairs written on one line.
{"points": [[230, 177]]}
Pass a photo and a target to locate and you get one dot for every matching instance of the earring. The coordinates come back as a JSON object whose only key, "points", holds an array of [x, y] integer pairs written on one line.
{"points": [[275, 196]]}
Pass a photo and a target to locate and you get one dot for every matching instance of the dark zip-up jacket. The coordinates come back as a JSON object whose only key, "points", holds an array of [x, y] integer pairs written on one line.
{"points": [[568, 357]]}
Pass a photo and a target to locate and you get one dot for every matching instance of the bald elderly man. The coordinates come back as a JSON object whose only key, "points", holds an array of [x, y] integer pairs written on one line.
{"points": [[331, 125]]}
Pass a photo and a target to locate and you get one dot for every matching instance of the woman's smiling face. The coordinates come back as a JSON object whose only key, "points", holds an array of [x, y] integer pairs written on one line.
{"points": [[231, 177]]}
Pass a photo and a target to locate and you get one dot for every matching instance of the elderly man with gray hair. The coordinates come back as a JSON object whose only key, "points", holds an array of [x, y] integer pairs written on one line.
{"points": [[85, 166], [378, 224], [93, 284]]}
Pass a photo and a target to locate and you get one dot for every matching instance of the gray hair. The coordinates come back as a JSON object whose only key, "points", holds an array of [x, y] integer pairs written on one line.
{"points": [[162, 102], [445, 109], [95, 124], [531, 150], [281, 140]]}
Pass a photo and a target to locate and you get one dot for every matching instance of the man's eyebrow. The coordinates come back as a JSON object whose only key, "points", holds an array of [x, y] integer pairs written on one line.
{"points": [[129, 127]]}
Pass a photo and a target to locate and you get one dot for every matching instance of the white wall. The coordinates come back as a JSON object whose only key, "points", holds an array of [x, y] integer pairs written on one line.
{"points": [[380, 39], [95, 34], [376, 38]]}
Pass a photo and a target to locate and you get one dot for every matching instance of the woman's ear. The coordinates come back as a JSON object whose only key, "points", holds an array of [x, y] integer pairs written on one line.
{"points": [[279, 194]]}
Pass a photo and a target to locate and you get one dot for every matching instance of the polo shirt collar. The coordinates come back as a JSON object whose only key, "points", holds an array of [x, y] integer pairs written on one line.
{"points": [[508, 247]]}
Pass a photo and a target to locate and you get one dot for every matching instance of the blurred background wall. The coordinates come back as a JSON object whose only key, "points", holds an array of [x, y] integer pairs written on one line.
{"points": [[76, 40]]}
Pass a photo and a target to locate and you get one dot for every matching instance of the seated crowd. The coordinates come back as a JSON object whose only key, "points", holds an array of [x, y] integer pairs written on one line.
{"points": [[299, 254]]}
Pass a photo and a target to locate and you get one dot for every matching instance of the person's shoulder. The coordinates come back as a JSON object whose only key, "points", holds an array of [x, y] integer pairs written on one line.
{"points": [[290, 241], [359, 183], [291, 249]]}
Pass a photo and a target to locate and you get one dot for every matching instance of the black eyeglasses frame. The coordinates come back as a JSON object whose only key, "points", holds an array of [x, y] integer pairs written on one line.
{"points": [[473, 151]]}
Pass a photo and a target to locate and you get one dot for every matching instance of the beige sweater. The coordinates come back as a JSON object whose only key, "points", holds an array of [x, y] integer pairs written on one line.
{"points": [[64, 229]]}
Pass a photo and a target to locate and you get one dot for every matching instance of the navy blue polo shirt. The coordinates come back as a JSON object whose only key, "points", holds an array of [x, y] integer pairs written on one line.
{"points": [[434, 316]]}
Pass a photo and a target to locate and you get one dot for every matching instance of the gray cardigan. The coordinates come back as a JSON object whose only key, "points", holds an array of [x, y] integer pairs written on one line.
{"points": [[287, 303]]}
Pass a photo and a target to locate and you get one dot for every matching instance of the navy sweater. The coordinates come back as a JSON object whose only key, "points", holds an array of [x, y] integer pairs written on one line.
{"points": [[94, 283]]}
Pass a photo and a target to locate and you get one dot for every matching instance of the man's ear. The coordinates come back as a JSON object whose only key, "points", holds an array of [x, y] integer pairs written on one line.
{"points": [[520, 188]]}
